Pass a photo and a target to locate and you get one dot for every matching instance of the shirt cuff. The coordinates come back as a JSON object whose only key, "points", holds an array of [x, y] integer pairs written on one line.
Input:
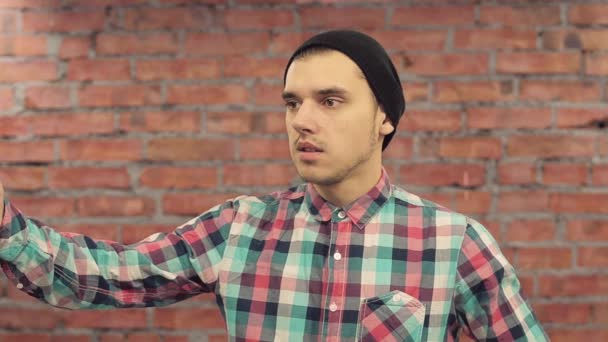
{"points": [[13, 238]]}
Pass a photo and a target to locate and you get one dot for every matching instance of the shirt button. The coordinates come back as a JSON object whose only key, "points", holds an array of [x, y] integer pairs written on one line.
{"points": [[341, 214], [397, 298], [333, 307], [337, 256], [20, 286]]}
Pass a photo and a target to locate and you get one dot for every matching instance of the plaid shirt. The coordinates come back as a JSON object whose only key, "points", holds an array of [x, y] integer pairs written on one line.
{"points": [[290, 266]]}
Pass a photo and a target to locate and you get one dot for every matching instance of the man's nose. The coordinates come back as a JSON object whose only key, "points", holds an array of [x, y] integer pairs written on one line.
{"points": [[304, 121]]}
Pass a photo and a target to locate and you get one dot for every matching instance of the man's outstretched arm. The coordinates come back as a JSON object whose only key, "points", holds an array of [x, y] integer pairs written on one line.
{"points": [[74, 271]]}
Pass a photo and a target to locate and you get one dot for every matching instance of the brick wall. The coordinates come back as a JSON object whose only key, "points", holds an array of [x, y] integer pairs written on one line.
{"points": [[119, 118]]}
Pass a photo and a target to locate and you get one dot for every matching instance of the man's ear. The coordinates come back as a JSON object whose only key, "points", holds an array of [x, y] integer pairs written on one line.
{"points": [[386, 127]]}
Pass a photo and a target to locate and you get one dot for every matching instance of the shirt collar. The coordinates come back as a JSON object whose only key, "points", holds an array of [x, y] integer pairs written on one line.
{"points": [[359, 211]]}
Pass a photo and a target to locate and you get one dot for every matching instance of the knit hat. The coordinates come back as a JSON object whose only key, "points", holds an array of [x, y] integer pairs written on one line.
{"points": [[375, 63]]}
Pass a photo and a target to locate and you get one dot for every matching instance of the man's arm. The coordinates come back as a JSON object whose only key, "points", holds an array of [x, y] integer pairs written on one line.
{"points": [[74, 271], [488, 298]]}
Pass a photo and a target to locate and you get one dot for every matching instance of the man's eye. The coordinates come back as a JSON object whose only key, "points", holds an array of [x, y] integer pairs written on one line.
{"points": [[291, 104], [330, 102]]}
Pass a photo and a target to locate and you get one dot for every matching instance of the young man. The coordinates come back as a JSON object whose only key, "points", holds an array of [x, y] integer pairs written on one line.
{"points": [[346, 256]]}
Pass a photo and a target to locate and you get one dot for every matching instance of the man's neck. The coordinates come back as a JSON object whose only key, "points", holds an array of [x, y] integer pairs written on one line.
{"points": [[347, 191]]}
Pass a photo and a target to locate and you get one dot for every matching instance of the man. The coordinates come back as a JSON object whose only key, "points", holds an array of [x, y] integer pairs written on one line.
{"points": [[346, 256]]}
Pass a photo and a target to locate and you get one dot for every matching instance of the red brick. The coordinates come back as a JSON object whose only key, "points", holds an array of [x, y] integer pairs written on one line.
{"points": [[431, 120], [524, 15], [23, 178], [190, 149], [473, 91], [115, 206], [25, 337], [242, 122], [516, 173], [586, 334], [120, 319], [135, 233], [590, 203], [101, 3], [41, 207], [259, 175], [98, 69], [446, 64], [226, 43], [587, 39], [188, 318], [523, 201], [167, 18], [179, 177], [428, 147], [192, 204], [572, 285], [160, 122], [410, 40], [250, 67], [580, 117], [23, 45], [39, 97], [550, 146], [131, 44], [596, 65], [399, 148], [30, 151], [537, 258], [233, 122], [599, 174], [219, 338], [120, 95], [14, 126], [565, 313], [94, 231], [88, 177], [416, 92], [438, 15], [473, 203], [102, 150], [7, 100], [74, 47], [19, 318], [571, 91], [531, 230], [503, 38], [587, 230], [588, 14], [508, 117], [268, 94], [176, 69], [71, 124], [561, 173], [442, 174], [593, 257], [600, 313], [237, 19], [208, 94], [28, 71], [327, 17], [71, 338], [471, 147], [8, 21], [260, 148], [603, 146], [30, 4], [63, 21], [538, 63], [285, 43]]}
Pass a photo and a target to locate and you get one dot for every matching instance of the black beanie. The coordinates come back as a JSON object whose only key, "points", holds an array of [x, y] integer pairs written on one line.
{"points": [[375, 63]]}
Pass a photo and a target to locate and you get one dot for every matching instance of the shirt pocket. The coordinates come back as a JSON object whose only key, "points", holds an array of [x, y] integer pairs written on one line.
{"points": [[395, 316]]}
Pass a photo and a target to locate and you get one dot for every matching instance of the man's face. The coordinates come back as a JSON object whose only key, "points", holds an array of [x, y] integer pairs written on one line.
{"points": [[332, 119]]}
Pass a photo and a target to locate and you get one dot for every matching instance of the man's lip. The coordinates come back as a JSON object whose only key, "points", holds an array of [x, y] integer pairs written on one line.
{"points": [[306, 145]]}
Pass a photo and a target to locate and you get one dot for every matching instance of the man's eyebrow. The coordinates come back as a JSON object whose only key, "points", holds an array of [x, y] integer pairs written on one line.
{"points": [[288, 95]]}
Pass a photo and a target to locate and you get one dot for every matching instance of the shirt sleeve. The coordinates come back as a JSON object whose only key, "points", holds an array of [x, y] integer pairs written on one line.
{"points": [[488, 299], [76, 272]]}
